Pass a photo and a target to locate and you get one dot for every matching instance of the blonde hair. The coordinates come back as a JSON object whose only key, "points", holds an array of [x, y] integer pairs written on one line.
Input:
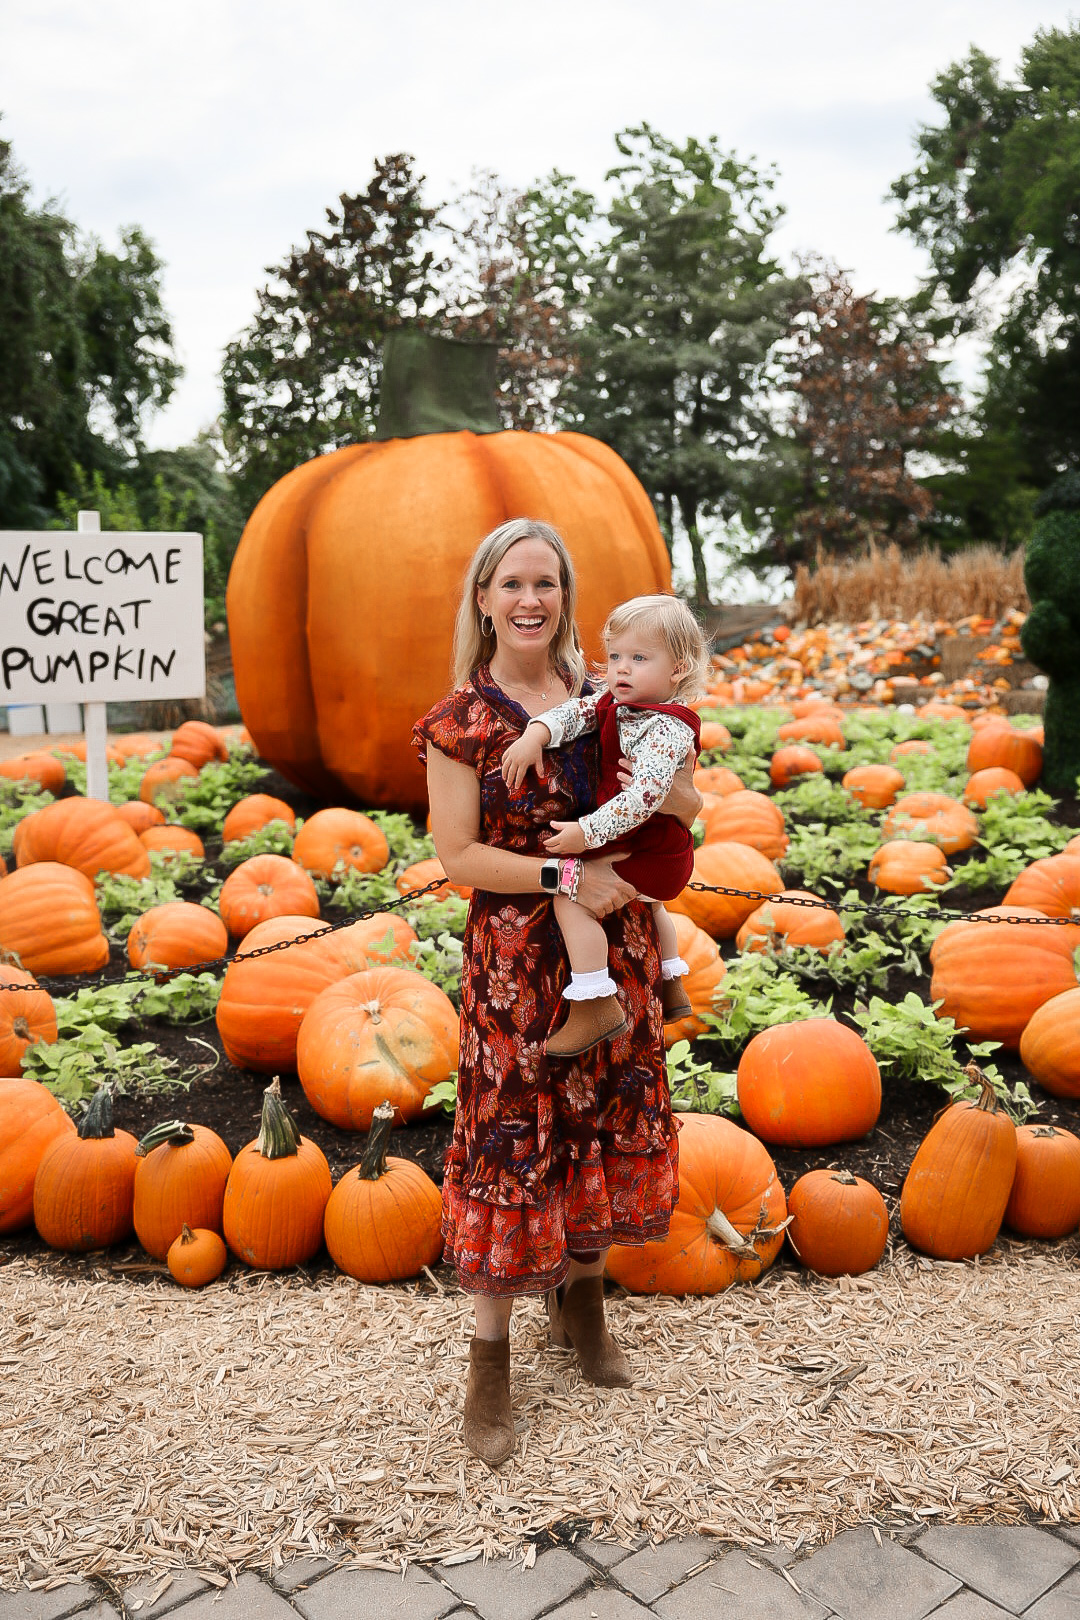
{"points": [[670, 621], [473, 645]]}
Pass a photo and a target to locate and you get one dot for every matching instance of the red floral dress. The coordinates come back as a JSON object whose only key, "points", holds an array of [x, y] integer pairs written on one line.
{"points": [[550, 1156]]}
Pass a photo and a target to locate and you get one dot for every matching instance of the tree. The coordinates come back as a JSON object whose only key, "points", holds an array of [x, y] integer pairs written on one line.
{"points": [[867, 395], [993, 199], [86, 350], [681, 309], [304, 377]]}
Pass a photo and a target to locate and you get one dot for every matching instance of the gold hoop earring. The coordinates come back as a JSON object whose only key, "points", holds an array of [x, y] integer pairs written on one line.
{"points": [[490, 624]]}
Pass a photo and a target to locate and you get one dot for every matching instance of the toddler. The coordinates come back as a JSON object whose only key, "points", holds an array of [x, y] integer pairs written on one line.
{"points": [[656, 654]]}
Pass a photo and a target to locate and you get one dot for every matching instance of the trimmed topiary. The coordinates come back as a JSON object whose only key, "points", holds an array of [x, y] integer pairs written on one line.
{"points": [[1050, 636]]}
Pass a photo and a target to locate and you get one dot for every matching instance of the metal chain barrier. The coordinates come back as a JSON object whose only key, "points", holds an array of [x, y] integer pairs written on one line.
{"points": [[162, 975], [868, 908]]}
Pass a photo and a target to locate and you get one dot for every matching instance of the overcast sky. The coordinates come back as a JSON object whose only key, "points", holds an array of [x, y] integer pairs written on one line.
{"points": [[225, 127]]}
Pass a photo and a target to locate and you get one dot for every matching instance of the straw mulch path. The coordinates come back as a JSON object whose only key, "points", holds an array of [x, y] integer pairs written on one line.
{"points": [[142, 1429]]}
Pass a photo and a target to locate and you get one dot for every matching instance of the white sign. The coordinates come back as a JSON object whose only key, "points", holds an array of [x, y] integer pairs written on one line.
{"points": [[95, 618]]}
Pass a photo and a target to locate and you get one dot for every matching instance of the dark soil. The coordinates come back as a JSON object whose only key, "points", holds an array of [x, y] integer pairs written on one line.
{"points": [[228, 1099]]}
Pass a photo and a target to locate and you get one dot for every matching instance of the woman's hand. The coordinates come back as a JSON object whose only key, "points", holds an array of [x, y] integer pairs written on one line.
{"points": [[684, 802], [567, 839], [602, 890]]}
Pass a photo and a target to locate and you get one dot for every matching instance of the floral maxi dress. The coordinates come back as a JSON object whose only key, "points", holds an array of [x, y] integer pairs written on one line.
{"points": [[550, 1157]]}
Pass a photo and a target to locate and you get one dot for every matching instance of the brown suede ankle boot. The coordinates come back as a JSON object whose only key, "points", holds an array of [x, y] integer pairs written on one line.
{"points": [[588, 1022], [676, 1001], [578, 1324], [489, 1419]]}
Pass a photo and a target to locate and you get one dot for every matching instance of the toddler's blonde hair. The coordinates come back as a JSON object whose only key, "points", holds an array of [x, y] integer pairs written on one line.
{"points": [[670, 621]]}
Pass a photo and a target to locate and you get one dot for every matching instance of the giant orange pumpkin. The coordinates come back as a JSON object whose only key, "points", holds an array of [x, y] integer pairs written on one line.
{"points": [[1051, 886], [781, 922], [746, 817], [728, 1225], [176, 934], [348, 557]]}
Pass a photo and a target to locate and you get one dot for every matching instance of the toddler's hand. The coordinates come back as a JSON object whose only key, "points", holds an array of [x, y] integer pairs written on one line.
{"points": [[524, 755], [567, 839]]}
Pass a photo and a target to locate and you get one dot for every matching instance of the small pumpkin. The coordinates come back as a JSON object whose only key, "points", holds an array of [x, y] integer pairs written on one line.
{"points": [[728, 1224], [955, 1194], [1001, 744], [1045, 1198], [176, 934], [421, 873], [262, 887], [198, 742], [251, 814], [714, 736], [383, 1220], [277, 1192], [874, 786], [706, 973], [839, 1223], [163, 781], [180, 1177], [727, 865], [908, 866], [172, 840], [914, 745], [715, 782], [196, 1257], [139, 815], [781, 922], [747, 818], [386, 1032], [932, 818], [808, 1084], [84, 1190], [335, 836], [49, 920], [30, 1119], [27, 1015], [816, 727], [984, 785], [790, 762], [38, 766]]}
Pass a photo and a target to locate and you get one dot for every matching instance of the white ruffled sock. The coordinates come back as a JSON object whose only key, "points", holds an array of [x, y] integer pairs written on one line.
{"points": [[673, 967], [590, 986]]}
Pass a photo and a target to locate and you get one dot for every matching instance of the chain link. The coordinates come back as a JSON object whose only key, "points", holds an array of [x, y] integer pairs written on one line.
{"points": [[161, 975], [872, 908]]}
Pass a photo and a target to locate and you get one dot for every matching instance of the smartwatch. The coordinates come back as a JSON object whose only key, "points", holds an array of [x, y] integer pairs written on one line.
{"points": [[549, 876]]}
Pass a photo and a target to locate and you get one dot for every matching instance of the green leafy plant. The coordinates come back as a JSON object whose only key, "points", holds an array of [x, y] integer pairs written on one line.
{"points": [[408, 843], [866, 962], [755, 994], [122, 899], [74, 1069], [189, 998], [205, 800], [183, 866], [17, 799], [276, 838], [443, 1095], [359, 891], [832, 855], [913, 921], [432, 918], [698, 1088], [817, 798], [439, 960], [908, 1039]]}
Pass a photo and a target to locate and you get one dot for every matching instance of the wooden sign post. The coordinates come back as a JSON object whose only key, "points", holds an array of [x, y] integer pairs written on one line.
{"points": [[100, 618]]}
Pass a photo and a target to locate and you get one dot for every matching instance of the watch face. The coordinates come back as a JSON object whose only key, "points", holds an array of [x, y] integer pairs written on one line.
{"points": [[549, 876]]}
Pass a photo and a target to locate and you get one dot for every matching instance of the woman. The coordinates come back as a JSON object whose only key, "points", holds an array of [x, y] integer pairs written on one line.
{"points": [[552, 1160]]}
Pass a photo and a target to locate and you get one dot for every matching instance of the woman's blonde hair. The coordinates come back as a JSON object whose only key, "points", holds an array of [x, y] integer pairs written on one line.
{"points": [[473, 645], [672, 622]]}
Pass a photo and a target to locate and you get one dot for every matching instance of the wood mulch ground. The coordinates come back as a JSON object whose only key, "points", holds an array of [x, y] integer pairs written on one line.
{"points": [[269, 1417]]}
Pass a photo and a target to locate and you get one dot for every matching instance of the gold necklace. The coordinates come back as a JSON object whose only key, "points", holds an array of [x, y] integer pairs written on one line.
{"points": [[524, 690]]}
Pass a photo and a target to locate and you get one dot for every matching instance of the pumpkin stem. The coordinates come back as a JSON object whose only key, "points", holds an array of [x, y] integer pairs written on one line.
{"points": [[97, 1122], [743, 1248], [373, 1164], [170, 1130], [186, 1234], [436, 385], [279, 1134], [987, 1100], [845, 1178]]}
